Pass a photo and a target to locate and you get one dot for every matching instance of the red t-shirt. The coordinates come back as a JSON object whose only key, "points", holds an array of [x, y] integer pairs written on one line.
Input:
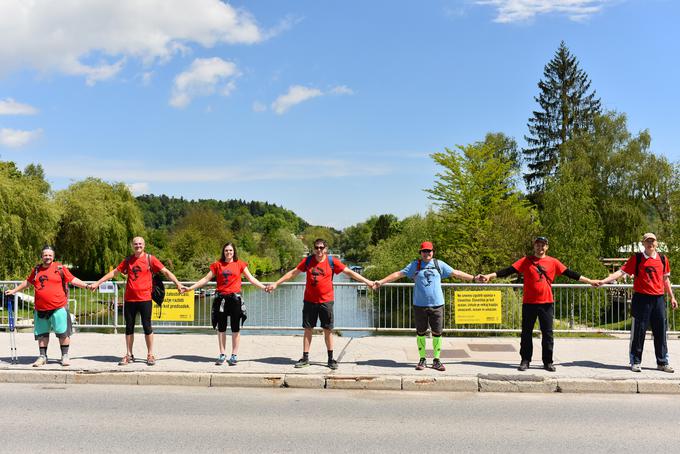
{"points": [[539, 275], [139, 278], [319, 287], [49, 289], [649, 277], [228, 275]]}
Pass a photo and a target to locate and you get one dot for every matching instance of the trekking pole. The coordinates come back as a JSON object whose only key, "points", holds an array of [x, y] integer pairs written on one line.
{"points": [[12, 337]]}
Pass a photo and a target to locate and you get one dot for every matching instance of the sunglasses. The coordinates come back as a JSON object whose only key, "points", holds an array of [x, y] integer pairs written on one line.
{"points": [[319, 248], [427, 251]]}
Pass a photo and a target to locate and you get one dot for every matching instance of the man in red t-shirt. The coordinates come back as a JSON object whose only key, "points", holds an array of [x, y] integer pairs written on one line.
{"points": [[139, 269], [318, 298], [651, 272], [50, 280], [539, 271]]}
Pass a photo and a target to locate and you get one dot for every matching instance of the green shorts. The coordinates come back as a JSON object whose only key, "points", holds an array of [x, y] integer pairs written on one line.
{"points": [[57, 321]]}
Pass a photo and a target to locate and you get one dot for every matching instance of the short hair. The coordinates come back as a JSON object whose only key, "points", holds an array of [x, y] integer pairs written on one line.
{"points": [[322, 241], [228, 243], [46, 247]]}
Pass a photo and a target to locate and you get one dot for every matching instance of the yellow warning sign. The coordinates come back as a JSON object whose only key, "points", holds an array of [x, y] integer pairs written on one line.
{"points": [[175, 308], [477, 307]]}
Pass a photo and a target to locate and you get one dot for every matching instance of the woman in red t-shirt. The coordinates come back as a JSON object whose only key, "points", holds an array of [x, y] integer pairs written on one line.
{"points": [[227, 303]]}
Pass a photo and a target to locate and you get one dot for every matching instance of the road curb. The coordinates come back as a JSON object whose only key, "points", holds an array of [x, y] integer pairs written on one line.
{"points": [[499, 383], [597, 386], [375, 382], [480, 383], [455, 384]]}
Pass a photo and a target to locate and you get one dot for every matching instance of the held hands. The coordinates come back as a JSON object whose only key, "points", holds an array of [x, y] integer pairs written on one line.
{"points": [[482, 278], [269, 288], [376, 285]]}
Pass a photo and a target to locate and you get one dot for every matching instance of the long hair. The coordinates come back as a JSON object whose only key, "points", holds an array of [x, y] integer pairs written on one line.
{"points": [[229, 243]]}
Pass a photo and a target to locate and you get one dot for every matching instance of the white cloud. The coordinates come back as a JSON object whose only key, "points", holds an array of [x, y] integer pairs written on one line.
{"points": [[138, 188], [259, 107], [522, 10], [9, 106], [342, 90], [204, 77], [15, 138], [95, 38], [276, 170], [299, 93]]}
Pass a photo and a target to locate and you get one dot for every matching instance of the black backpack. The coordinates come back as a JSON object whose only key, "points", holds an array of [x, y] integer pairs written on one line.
{"points": [[157, 286]]}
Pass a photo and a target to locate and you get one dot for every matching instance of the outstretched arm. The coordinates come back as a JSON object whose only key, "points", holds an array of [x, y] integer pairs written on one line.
{"points": [[253, 280], [173, 278], [358, 277], [110, 275], [78, 283], [390, 278], [289, 275], [500, 273], [611, 278], [463, 276], [18, 288], [204, 280]]}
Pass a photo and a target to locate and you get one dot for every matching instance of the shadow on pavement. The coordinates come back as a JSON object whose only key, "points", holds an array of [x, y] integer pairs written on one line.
{"points": [[491, 364], [594, 365], [385, 363], [21, 360], [274, 360], [190, 358], [101, 359]]}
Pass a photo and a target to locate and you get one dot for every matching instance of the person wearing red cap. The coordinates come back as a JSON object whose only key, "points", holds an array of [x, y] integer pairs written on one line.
{"points": [[428, 299], [539, 271], [651, 273]]}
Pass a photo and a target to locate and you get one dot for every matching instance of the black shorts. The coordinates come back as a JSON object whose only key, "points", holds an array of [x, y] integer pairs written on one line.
{"points": [[429, 316], [230, 309], [311, 312]]}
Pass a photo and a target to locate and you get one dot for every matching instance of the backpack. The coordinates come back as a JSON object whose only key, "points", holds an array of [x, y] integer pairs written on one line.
{"points": [[638, 259], [419, 265], [308, 260], [157, 285]]}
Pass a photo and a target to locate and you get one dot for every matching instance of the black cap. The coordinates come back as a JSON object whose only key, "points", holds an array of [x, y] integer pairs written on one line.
{"points": [[541, 239]]}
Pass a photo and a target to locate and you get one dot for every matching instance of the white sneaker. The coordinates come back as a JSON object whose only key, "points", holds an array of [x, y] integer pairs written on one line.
{"points": [[665, 368], [65, 360], [636, 368], [41, 361]]}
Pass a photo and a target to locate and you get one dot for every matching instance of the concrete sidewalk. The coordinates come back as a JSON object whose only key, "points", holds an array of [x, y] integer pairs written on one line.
{"points": [[485, 364]]}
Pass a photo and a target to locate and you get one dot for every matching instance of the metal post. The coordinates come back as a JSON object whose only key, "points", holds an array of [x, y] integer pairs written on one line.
{"points": [[115, 309]]}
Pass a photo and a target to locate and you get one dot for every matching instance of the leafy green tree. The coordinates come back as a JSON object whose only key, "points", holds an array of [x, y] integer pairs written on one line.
{"points": [[354, 242], [567, 107], [27, 219], [572, 222], [312, 232], [484, 219], [383, 228], [97, 222]]}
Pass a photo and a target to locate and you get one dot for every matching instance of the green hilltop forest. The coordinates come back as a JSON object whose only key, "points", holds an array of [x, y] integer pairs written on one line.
{"points": [[585, 181]]}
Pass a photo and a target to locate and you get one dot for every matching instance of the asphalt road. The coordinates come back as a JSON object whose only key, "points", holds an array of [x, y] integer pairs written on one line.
{"points": [[93, 418]]}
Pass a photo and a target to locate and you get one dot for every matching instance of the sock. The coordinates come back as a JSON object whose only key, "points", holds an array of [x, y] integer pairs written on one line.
{"points": [[305, 355], [437, 346], [421, 345], [64, 349], [43, 351], [330, 355]]}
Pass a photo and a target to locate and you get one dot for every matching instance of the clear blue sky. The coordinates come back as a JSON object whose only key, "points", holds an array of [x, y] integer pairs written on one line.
{"points": [[328, 108]]}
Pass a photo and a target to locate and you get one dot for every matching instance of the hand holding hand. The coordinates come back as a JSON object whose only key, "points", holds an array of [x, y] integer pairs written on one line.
{"points": [[376, 285]]}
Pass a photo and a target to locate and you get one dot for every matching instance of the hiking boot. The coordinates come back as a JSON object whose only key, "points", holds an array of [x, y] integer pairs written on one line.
{"points": [[65, 360], [524, 365], [233, 360], [636, 368], [150, 360], [127, 359], [550, 367], [422, 364], [665, 368], [221, 359], [302, 362], [437, 365], [332, 364], [41, 361]]}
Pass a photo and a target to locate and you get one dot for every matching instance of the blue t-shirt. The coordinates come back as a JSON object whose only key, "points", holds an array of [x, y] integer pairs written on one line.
{"points": [[428, 282]]}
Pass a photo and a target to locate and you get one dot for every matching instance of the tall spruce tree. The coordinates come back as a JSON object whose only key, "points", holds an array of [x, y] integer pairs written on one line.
{"points": [[567, 107]]}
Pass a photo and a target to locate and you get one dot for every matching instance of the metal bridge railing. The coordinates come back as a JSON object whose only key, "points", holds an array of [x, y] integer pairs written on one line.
{"points": [[578, 308]]}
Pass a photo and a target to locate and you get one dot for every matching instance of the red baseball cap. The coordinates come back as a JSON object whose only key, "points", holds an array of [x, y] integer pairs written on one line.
{"points": [[426, 245]]}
